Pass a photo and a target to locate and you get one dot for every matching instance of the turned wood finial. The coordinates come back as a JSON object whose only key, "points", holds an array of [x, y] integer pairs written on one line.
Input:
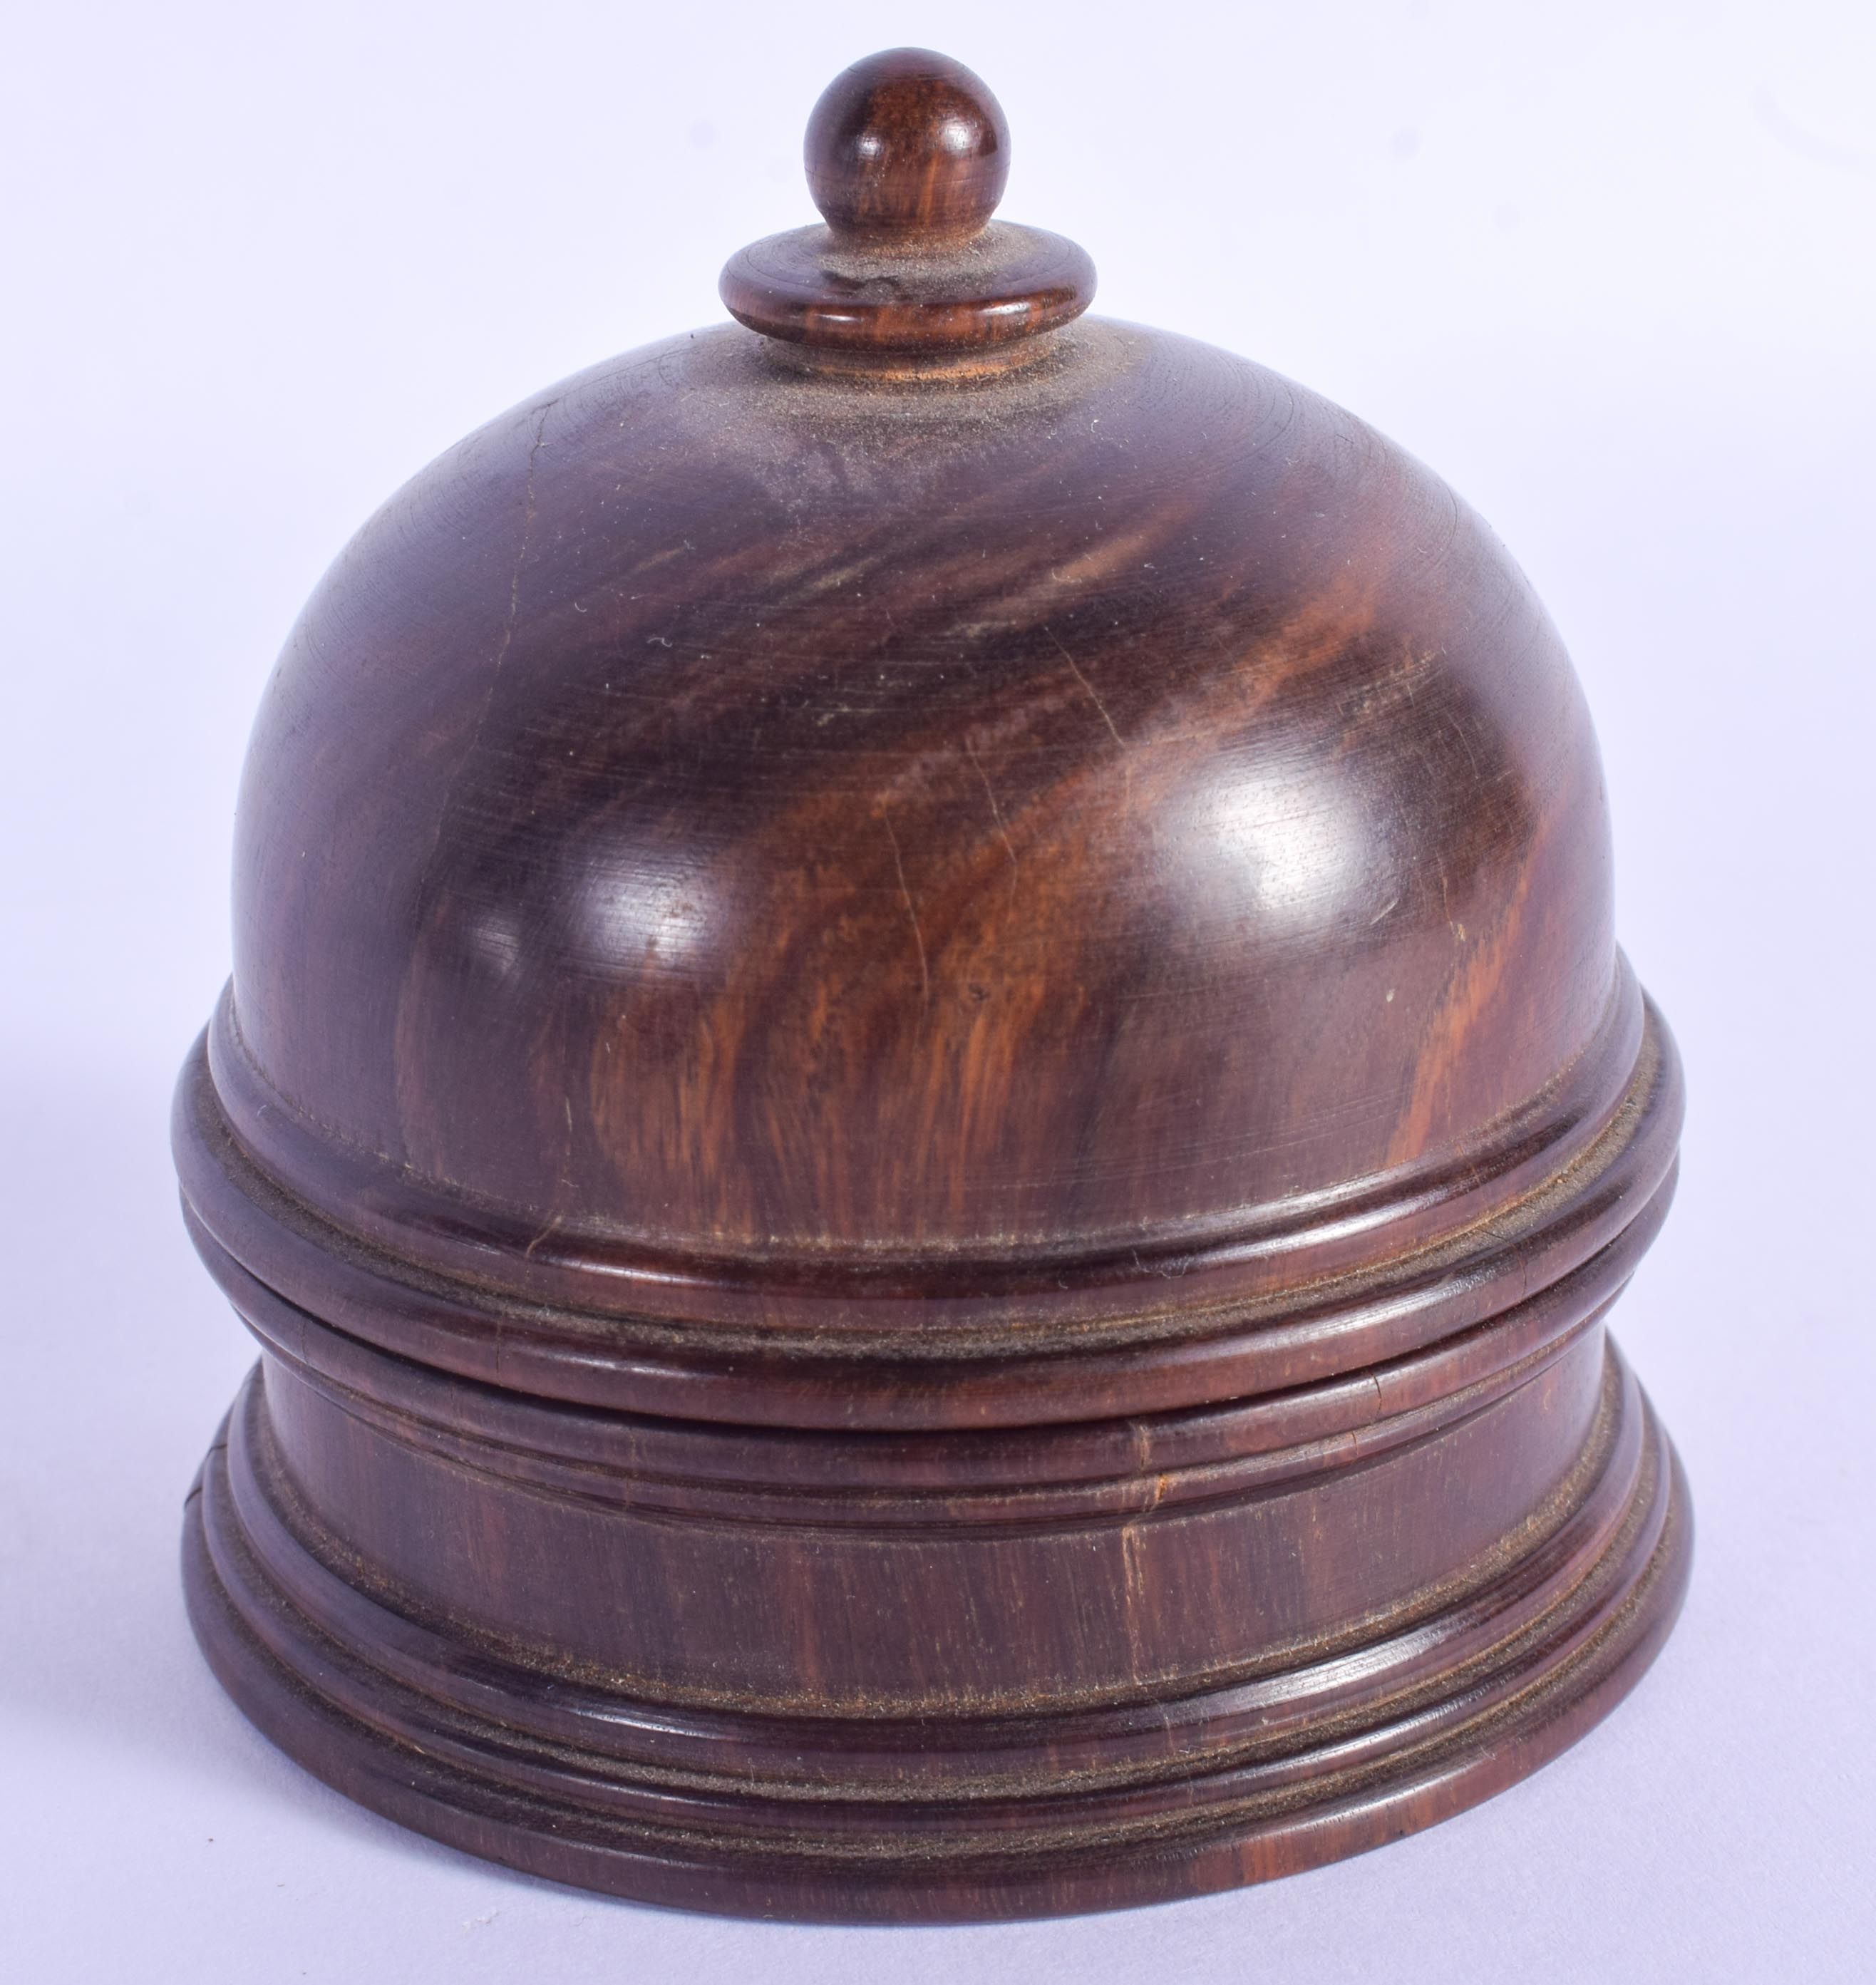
{"points": [[907, 152], [907, 141]]}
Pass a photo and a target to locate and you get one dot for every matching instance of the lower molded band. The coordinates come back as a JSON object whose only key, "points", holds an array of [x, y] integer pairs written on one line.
{"points": [[947, 1817]]}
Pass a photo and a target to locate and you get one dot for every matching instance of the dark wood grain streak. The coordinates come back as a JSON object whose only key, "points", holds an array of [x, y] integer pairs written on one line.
{"points": [[928, 1114]]}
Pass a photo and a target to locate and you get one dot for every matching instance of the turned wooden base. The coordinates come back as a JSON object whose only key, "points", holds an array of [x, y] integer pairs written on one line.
{"points": [[957, 1818]]}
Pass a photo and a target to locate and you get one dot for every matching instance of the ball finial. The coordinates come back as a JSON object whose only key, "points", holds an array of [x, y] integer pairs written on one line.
{"points": [[907, 142]]}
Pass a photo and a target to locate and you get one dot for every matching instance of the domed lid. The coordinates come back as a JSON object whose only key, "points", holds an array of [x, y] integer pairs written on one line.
{"points": [[918, 856]]}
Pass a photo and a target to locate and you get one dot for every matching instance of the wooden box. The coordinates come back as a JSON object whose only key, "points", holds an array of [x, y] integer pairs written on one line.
{"points": [[928, 1112]]}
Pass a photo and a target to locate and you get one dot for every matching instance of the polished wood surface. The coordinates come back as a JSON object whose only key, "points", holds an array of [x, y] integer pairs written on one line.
{"points": [[928, 1112], [907, 141]]}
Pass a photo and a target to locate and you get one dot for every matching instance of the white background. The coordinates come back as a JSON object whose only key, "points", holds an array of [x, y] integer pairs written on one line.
{"points": [[1610, 267]]}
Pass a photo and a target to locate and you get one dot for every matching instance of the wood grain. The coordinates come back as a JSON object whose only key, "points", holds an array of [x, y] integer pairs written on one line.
{"points": [[928, 1113]]}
